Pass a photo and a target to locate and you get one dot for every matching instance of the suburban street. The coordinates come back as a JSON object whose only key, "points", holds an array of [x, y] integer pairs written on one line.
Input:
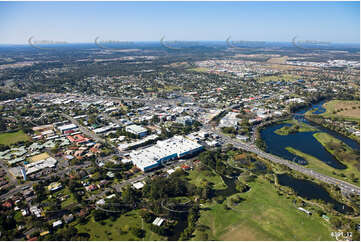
{"points": [[84, 130]]}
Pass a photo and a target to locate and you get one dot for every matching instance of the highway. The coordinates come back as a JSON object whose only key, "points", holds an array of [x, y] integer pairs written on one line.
{"points": [[344, 186]]}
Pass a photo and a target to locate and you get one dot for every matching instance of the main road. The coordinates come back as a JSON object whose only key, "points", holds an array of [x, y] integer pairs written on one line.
{"points": [[83, 129], [344, 186]]}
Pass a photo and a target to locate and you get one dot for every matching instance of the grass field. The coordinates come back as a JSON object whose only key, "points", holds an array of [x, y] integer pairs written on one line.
{"points": [[285, 77], [263, 215], [118, 229], [13, 137], [278, 60], [319, 166], [338, 149], [281, 67], [342, 109], [70, 200], [286, 130], [199, 69], [199, 177], [171, 88]]}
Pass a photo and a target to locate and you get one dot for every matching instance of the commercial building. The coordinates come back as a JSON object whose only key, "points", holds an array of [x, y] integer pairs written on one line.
{"points": [[137, 130], [230, 120], [49, 162], [67, 127], [42, 128], [126, 146], [165, 150], [185, 120]]}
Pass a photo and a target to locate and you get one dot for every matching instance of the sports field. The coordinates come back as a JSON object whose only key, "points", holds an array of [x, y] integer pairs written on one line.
{"points": [[13, 137], [39, 157]]}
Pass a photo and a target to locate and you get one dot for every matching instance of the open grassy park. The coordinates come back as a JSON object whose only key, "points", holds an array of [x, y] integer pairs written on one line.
{"points": [[319, 166], [199, 69], [284, 77], [201, 177], [118, 229], [278, 60], [262, 215], [349, 110], [13, 137]]}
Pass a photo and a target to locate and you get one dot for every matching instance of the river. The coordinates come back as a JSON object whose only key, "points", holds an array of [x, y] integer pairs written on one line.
{"points": [[304, 141]]}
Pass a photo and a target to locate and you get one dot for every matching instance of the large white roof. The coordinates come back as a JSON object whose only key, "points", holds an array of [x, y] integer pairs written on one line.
{"points": [[67, 126], [152, 155]]}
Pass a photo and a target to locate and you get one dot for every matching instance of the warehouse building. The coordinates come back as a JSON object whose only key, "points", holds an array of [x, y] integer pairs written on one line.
{"points": [[67, 127], [165, 150]]}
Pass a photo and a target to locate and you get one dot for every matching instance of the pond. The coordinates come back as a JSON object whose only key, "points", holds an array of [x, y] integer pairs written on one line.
{"points": [[310, 190]]}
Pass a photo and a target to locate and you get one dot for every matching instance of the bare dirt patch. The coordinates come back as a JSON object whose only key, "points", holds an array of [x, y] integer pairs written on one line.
{"points": [[39, 157]]}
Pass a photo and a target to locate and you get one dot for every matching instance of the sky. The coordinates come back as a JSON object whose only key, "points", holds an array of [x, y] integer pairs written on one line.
{"points": [[82, 22]]}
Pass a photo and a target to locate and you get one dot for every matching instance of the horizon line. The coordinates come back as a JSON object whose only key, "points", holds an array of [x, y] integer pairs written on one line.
{"points": [[185, 41]]}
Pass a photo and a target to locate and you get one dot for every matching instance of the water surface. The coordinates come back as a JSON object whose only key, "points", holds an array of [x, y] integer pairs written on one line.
{"points": [[310, 190], [304, 141]]}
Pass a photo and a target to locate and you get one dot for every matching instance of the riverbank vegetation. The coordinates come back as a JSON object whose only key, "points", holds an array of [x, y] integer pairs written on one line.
{"points": [[314, 200], [296, 127], [335, 125], [349, 174], [339, 150], [341, 116]]}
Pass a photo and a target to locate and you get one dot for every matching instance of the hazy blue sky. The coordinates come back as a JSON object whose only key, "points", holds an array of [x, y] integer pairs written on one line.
{"points": [[149, 21]]}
